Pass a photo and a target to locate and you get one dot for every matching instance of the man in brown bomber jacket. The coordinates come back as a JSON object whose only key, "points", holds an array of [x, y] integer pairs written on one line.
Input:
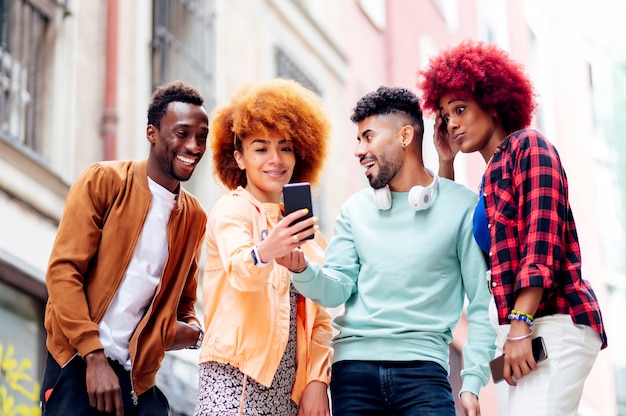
{"points": [[123, 271]]}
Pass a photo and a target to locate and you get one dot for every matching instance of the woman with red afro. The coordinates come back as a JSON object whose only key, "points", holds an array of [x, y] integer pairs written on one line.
{"points": [[266, 349], [483, 102]]}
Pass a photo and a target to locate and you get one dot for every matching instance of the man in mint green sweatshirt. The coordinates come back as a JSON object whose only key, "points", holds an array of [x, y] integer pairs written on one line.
{"points": [[402, 260]]}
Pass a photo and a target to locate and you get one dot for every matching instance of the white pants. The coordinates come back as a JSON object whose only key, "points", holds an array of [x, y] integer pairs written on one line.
{"points": [[555, 387]]}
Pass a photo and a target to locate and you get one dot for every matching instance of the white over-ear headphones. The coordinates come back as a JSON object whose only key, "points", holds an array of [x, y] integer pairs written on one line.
{"points": [[420, 197]]}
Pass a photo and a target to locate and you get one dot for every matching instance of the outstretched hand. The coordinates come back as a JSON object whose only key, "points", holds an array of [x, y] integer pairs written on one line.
{"points": [[284, 238], [294, 261]]}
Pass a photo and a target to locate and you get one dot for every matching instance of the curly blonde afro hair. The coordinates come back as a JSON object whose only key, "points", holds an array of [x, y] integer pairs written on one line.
{"points": [[279, 106]]}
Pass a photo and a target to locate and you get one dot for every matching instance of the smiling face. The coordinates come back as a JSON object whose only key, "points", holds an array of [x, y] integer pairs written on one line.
{"points": [[470, 127], [177, 144], [379, 149], [269, 164]]}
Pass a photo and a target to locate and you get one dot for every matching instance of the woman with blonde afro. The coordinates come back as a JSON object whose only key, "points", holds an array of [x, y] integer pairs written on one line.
{"points": [[266, 350]]}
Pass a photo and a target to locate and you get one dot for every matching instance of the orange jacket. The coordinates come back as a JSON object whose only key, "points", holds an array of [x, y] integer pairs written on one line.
{"points": [[246, 307], [103, 218]]}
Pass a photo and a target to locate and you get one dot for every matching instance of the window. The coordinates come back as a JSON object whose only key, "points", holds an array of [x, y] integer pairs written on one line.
{"points": [[286, 68], [22, 27], [182, 44]]}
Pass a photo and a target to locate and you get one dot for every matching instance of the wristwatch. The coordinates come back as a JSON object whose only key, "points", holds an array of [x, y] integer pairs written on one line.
{"points": [[256, 258], [198, 343]]}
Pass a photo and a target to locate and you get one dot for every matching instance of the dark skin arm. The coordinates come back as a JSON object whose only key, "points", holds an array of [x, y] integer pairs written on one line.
{"points": [[103, 386], [186, 336], [518, 355]]}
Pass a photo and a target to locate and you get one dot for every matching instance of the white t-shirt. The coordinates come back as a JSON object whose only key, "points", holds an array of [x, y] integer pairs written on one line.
{"points": [[141, 279]]}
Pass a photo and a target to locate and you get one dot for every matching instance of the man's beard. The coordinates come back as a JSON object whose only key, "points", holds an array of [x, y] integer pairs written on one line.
{"points": [[387, 171]]}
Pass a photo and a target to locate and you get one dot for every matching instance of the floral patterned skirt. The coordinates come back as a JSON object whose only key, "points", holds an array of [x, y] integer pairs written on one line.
{"points": [[221, 385]]}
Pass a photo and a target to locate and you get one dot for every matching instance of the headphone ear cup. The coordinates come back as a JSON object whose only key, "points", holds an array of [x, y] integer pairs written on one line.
{"points": [[420, 197], [382, 198]]}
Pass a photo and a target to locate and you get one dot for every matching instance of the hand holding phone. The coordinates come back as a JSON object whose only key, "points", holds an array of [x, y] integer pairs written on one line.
{"points": [[497, 364], [297, 196]]}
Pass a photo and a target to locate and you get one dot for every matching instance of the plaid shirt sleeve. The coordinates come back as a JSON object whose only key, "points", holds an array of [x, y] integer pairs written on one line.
{"points": [[534, 239], [541, 204]]}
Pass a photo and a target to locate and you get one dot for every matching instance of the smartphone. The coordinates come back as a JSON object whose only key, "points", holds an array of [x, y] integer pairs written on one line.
{"points": [[540, 353], [297, 196], [443, 126]]}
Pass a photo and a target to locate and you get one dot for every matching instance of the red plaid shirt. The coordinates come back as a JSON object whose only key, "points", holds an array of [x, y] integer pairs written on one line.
{"points": [[534, 242]]}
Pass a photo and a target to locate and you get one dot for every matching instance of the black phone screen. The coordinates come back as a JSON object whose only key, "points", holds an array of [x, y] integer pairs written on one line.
{"points": [[297, 196]]}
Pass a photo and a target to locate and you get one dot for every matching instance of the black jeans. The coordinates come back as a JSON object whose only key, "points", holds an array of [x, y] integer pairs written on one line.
{"points": [[68, 392]]}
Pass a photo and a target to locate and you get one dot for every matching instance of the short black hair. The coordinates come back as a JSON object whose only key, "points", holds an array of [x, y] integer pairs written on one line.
{"points": [[177, 91], [388, 100]]}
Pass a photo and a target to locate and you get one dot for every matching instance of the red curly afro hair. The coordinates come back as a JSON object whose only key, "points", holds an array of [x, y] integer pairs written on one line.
{"points": [[485, 73], [279, 106]]}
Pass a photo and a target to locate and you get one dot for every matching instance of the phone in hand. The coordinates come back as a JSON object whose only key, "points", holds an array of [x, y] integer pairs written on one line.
{"points": [[540, 353], [443, 127], [297, 196]]}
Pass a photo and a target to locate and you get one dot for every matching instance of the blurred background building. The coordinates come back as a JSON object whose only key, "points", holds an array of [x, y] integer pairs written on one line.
{"points": [[76, 78]]}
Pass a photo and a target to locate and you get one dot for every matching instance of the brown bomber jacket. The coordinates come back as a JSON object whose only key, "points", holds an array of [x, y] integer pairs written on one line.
{"points": [[104, 214]]}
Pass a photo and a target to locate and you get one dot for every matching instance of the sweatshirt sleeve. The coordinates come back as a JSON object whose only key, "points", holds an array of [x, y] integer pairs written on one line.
{"points": [[333, 284], [480, 346]]}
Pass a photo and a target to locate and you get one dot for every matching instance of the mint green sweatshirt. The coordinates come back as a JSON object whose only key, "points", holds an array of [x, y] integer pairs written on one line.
{"points": [[403, 277]]}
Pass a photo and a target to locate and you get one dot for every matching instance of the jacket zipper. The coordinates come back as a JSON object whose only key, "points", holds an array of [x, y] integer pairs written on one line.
{"points": [[133, 394]]}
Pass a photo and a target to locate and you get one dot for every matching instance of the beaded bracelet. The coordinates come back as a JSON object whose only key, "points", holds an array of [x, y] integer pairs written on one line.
{"points": [[529, 316], [521, 337], [521, 316]]}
